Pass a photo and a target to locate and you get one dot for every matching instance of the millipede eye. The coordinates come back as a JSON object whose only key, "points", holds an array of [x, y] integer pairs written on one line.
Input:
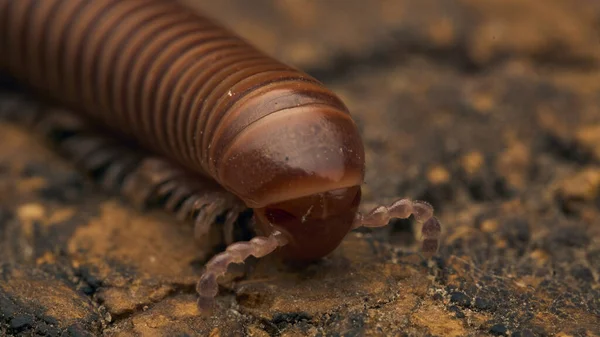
{"points": [[278, 216]]}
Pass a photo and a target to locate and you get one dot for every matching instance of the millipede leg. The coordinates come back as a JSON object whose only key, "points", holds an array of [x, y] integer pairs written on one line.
{"points": [[201, 229], [229, 223], [142, 179], [381, 215], [116, 173], [147, 179], [14, 108], [208, 214], [205, 219], [259, 246]]}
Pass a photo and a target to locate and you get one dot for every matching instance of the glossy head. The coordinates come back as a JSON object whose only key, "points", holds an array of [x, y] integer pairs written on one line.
{"points": [[301, 171], [315, 225]]}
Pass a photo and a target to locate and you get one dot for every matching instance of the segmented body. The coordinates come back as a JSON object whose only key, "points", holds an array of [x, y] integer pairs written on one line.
{"points": [[170, 79]]}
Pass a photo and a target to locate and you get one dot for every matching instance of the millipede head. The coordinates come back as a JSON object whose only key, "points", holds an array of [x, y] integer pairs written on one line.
{"points": [[315, 224], [301, 171]]}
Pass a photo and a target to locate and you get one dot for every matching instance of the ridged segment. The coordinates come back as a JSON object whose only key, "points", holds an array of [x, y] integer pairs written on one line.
{"points": [[40, 16], [106, 25], [153, 70], [184, 85], [119, 54]]}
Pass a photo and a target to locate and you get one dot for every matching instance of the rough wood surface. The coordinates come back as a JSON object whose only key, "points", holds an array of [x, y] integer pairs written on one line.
{"points": [[488, 109]]}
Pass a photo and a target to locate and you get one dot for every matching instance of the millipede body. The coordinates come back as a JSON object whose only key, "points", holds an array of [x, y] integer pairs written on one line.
{"points": [[193, 93]]}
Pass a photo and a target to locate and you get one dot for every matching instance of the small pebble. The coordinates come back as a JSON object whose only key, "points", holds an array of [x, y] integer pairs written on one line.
{"points": [[21, 322], [457, 312], [482, 304], [460, 299], [499, 329]]}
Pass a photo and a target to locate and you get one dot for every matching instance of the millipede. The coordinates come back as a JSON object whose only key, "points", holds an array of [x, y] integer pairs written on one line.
{"points": [[173, 108]]}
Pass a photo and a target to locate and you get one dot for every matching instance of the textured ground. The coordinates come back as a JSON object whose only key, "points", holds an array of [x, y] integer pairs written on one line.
{"points": [[488, 109]]}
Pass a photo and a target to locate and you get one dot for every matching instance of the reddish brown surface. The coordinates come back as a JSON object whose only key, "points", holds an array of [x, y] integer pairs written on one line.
{"points": [[488, 109]]}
